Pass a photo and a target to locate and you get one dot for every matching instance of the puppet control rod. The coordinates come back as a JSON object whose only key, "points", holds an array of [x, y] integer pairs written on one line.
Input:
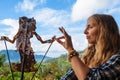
{"points": [[8, 59], [41, 61]]}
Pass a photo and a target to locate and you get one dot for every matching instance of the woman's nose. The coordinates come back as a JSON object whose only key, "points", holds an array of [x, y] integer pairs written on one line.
{"points": [[85, 31]]}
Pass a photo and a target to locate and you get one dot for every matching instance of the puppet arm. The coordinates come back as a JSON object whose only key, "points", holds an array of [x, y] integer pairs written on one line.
{"points": [[41, 40], [9, 40]]}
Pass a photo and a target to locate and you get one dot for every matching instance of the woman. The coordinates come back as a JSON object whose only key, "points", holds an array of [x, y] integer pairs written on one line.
{"points": [[101, 60]]}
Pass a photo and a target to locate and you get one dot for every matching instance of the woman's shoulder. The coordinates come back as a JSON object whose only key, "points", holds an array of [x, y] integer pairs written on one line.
{"points": [[117, 54], [113, 60]]}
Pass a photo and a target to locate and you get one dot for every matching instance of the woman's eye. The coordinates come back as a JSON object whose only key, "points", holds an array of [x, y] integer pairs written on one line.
{"points": [[90, 27]]}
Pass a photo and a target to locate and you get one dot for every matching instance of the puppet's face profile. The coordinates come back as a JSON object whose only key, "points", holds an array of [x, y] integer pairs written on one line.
{"points": [[32, 24], [33, 27]]}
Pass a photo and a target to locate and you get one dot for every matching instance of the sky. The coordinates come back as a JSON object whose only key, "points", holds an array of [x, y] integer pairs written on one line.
{"points": [[49, 16]]}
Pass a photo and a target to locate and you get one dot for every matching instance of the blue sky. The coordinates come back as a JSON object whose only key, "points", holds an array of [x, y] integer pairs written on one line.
{"points": [[50, 15]]}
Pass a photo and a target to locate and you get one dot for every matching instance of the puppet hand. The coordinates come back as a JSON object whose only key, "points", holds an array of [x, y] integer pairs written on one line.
{"points": [[49, 41], [53, 38], [33, 32], [4, 38]]}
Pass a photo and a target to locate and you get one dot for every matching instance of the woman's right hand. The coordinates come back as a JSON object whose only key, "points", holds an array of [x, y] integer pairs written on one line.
{"points": [[67, 43]]}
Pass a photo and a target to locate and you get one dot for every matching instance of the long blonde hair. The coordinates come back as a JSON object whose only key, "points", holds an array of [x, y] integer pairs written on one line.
{"points": [[108, 41]]}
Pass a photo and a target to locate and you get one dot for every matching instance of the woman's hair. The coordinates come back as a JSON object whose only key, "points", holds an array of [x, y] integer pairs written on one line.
{"points": [[108, 41]]}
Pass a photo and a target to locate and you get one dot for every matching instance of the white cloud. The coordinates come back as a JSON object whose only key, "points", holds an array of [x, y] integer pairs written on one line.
{"points": [[79, 41], [50, 17], [10, 31], [12, 26], [39, 48], [9, 22], [27, 5], [114, 11], [82, 9]]}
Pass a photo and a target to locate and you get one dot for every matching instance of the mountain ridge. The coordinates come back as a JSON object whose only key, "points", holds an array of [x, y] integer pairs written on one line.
{"points": [[14, 56]]}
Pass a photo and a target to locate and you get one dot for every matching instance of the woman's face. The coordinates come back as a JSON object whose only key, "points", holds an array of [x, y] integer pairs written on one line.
{"points": [[91, 31]]}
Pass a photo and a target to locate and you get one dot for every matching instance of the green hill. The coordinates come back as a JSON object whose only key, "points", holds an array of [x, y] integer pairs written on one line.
{"points": [[15, 57]]}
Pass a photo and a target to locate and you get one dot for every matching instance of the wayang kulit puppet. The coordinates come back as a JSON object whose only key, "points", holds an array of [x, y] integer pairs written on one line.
{"points": [[26, 31]]}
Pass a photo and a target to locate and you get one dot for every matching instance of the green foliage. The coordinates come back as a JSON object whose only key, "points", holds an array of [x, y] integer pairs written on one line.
{"points": [[49, 70], [2, 59]]}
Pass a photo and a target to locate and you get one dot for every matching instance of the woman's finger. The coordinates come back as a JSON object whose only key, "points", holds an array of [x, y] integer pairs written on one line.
{"points": [[62, 37], [63, 31], [59, 41]]}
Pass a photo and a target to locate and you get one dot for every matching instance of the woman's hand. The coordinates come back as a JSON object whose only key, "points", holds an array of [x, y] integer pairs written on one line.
{"points": [[67, 43]]}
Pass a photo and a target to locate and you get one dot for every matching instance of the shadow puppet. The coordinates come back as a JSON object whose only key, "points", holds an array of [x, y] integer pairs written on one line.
{"points": [[27, 27]]}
